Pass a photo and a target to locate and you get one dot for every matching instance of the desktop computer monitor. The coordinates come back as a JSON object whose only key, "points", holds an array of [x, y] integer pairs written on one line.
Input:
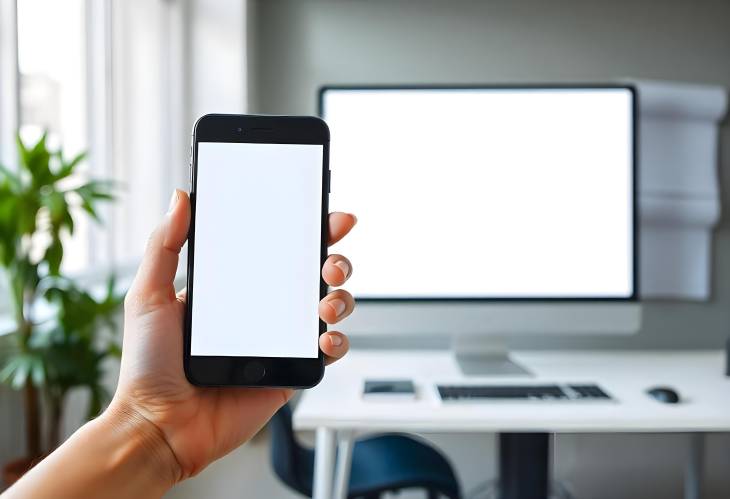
{"points": [[487, 211]]}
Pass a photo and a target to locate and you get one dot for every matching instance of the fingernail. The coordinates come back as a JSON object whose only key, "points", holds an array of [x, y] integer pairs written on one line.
{"points": [[335, 340], [343, 266], [173, 201], [338, 306]]}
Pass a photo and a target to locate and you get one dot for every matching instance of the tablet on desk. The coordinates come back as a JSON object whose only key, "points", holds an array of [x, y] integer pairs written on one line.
{"points": [[389, 389]]}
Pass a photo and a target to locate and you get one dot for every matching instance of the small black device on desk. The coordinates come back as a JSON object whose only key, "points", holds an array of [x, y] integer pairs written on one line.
{"points": [[389, 389]]}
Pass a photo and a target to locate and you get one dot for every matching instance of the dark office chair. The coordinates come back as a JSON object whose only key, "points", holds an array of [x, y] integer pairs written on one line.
{"points": [[382, 464]]}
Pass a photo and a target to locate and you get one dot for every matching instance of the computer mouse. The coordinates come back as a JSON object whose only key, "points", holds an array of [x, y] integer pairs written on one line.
{"points": [[664, 394]]}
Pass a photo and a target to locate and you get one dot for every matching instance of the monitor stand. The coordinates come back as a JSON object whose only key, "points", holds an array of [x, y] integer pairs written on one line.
{"points": [[485, 356], [524, 458]]}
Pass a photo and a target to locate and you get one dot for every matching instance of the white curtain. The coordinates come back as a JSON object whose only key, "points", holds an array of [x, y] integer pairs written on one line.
{"points": [[171, 62]]}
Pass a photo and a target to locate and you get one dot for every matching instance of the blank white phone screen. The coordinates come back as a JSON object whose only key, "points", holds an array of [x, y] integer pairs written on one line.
{"points": [[257, 249]]}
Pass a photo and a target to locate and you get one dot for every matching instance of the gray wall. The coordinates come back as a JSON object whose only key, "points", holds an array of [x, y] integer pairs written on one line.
{"points": [[295, 46]]}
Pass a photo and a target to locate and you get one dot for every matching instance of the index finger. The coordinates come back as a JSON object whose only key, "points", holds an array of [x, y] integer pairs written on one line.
{"points": [[339, 225]]}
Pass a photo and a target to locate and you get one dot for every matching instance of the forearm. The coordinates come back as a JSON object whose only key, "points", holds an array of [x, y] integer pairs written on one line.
{"points": [[118, 455]]}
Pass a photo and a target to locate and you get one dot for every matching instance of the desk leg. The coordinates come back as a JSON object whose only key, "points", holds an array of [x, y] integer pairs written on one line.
{"points": [[345, 443], [524, 465], [324, 460], [694, 466]]}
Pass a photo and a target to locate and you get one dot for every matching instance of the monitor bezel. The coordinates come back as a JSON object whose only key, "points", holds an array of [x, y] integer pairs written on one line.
{"points": [[634, 297]]}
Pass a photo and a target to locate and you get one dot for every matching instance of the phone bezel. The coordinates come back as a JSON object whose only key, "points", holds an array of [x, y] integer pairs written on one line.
{"points": [[244, 371]]}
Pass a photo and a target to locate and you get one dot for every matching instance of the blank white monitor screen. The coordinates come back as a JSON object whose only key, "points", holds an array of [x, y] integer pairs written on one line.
{"points": [[485, 193]]}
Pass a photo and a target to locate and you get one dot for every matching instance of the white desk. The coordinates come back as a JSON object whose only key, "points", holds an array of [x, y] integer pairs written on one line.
{"points": [[338, 413]]}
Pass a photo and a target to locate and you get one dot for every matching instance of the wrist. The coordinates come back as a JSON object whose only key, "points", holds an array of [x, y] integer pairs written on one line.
{"points": [[142, 443], [118, 455]]}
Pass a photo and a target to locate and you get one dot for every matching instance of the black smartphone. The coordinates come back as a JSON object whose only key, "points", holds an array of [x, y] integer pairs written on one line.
{"points": [[258, 239]]}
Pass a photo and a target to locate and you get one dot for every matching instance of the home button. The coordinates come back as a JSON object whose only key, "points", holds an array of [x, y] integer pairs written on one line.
{"points": [[254, 372]]}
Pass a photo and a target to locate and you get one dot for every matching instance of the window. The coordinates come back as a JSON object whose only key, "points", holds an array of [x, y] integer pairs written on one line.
{"points": [[102, 76], [123, 80], [52, 66]]}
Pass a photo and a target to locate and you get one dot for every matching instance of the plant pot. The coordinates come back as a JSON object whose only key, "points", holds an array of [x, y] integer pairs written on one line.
{"points": [[13, 470]]}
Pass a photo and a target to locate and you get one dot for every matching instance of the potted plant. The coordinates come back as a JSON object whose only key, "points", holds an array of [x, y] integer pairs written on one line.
{"points": [[49, 354]]}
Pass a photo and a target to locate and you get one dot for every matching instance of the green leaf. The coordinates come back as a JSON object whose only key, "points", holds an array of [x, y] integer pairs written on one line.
{"points": [[10, 178], [92, 192], [7, 372], [8, 224], [22, 150], [111, 285], [37, 161], [54, 256], [27, 215], [68, 222], [57, 206], [69, 168], [20, 376], [97, 189], [89, 208], [114, 350], [16, 372], [38, 372], [76, 160]]}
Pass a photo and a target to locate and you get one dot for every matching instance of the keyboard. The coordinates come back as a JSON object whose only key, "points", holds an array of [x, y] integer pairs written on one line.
{"points": [[452, 393]]}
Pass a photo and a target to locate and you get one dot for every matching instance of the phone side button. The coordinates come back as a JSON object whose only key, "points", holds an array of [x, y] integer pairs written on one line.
{"points": [[254, 372], [329, 181]]}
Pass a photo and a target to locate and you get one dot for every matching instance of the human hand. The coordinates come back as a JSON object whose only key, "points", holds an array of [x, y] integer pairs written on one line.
{"points": [[199, 425]]}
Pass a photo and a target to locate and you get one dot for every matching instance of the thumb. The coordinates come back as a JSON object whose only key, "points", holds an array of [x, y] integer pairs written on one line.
{"points": [[154, 282]]}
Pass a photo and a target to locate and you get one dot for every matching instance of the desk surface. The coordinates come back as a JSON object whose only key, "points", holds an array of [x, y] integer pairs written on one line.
{"points": [[697, 375]]}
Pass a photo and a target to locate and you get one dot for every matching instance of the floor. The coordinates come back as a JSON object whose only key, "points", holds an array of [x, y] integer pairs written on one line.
{"points": [[591, 466]]}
